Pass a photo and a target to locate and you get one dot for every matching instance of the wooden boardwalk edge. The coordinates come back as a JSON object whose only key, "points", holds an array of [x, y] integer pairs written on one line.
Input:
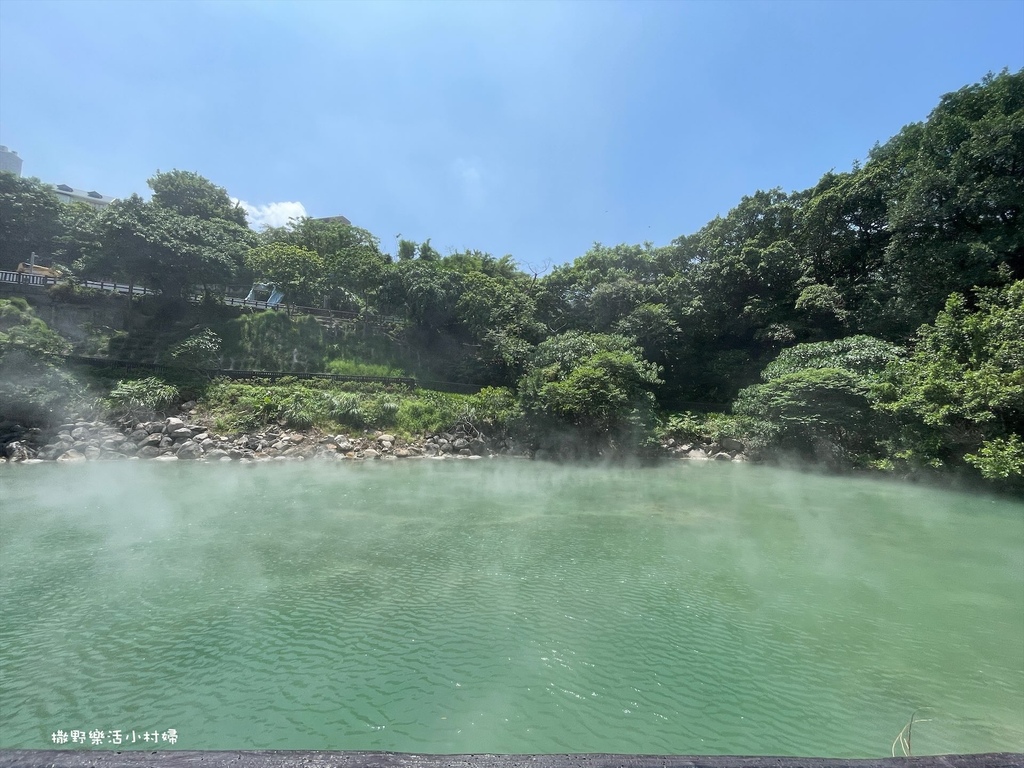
{"points": [[11, 758]]}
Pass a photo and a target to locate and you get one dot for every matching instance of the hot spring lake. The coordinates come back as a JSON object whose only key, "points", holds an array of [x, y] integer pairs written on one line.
{"points": [[455, 607]]}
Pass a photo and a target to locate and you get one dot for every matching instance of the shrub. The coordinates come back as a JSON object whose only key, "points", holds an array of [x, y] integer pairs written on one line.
{"points": [[141, 398]]}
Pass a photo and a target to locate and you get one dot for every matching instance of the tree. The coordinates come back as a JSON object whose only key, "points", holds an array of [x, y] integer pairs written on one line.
{"points": [[29, 219], [189, 194], [299, 272], [817, 399], [586, 394], [159, 248], [964, 381]]}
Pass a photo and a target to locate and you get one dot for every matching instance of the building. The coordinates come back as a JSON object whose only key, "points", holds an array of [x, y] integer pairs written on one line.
{"points": [[70, 195], [335, 220], [9, 161]]}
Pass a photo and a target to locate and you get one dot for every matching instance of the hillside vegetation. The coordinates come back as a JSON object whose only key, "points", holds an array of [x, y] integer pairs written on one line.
{"points": [[873, 320]]}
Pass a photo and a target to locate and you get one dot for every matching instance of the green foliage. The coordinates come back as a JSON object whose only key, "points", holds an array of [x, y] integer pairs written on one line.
{"points": [[817, 400], [1000, 459], [348, 367], [862, 355], [587, 392], [297, 271], [962, 388], [688, 426], [201, 350], [189, 194], [34, 389], [29, 219], [20, 329], [160, 248], [141, 398], [272, 341]]}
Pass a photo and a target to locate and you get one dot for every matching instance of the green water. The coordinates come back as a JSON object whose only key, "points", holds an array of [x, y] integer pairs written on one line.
{"points": [[507, 607]]}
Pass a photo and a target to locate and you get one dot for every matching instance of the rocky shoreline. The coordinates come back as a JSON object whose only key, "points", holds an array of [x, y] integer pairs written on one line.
{"points": [[176, 439]]}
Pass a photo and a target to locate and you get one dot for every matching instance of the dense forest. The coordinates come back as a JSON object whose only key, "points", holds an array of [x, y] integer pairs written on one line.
{"points": [[873, 320]]}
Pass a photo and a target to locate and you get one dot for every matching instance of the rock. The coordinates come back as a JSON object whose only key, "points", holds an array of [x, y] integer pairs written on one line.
{"points": [[181, 433], [296, 438], [729, 444], [475, 458], [444, 446], [344, 446], [153, 426], [92, 453], [402, 453], [722, 456], [148, 452], [166, 442], [128, 447], [80, 433], [386, 439], [461, 444], [369, 453], [189, 450], [166, 457], [109, 445], [740, 457], [138, 435], [464, 451], [385, 445], [172, 423], [696, 453], [201, 436], [235, 454], [217, 454], [71, 455]]}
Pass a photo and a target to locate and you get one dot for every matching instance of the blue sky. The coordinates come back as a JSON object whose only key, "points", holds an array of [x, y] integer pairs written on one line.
{"points": [[530, 128]]}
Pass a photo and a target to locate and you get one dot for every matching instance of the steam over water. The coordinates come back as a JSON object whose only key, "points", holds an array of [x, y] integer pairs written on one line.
{"points": [[507, 607]]}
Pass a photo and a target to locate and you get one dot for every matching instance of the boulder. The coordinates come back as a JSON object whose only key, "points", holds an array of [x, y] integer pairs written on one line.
{"points": [[71, 456], [696, 453], [92, 453], [386, 439], [181, 433], [369, 453], [189, 450], [172, 423], [461, 444], [730, 444], [148, 452]]}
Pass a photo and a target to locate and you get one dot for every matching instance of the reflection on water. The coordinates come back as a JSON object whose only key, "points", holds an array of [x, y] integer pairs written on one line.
{"points": [[507, 607]]}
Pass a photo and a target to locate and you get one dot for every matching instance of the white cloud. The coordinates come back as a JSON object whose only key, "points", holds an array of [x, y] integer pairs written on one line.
{"points": [[271, 214], [471, 179]]}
